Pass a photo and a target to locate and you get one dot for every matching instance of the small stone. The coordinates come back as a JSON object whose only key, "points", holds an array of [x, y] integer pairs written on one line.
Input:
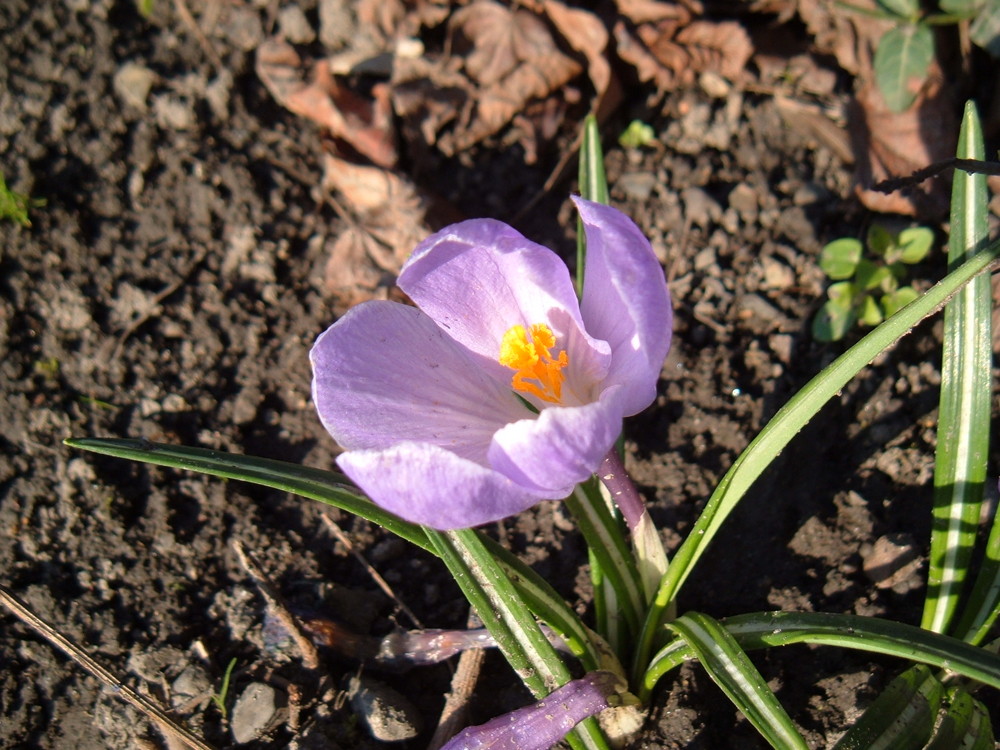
{"points": [[637, 186], [132, 83], [714, 85], [243, 28], [257, 710], [295, 26], [893, 563], [388, 715]]}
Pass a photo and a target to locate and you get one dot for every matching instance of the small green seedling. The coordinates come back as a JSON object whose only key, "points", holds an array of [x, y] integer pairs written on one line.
{"points": [[637, 135], [868, 289], [220, 698], [903, 55], [15, 206]]}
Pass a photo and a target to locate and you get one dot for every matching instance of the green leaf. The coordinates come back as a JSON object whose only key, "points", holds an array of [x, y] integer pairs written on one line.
{"points": [[593, 187], [985, 29], [832, 322], [964, 414], [965, 725], [637, 135], [914, 244], [839, 258], [880, 240], [606, 540], [778, 433], [871, 634], [316, 484], [869, 313], [490, 591], [877, 278], [897, 300], [731, 669], [901, 717], [906, 9], [901, 62], [965, 8]]}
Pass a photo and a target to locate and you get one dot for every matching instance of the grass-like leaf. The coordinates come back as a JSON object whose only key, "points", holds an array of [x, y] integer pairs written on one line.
{"points": [[728, 665], [494, 597], [964, 417], [767, 629], [593, 186], [901, 717], [779, 432], [606, 542], [316, 484]]}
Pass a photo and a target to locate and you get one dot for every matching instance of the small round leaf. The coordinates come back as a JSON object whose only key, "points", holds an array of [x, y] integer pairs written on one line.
{"points": [[915, 243], [898, 300], [870, 313], [840, 258]]}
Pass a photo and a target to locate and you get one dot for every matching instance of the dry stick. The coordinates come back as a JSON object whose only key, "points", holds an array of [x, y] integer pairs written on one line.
{"points": [[379, 580], [973, 166], [463, 685], [168, 290], [185, 14], [153, 711], [310, 655]]}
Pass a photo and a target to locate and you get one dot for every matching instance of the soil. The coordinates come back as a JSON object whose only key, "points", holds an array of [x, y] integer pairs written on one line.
{"points": [[172, 285]]}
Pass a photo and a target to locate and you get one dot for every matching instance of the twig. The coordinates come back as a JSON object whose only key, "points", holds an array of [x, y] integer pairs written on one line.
{"points": [[153, 711], [310, 655], [463, 684], [379, 580], [168, 290], [185, 15], [973, 166]]}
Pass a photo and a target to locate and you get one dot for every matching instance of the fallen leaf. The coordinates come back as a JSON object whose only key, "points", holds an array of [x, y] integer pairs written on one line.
{"points": [[588, 35], [363, 124], [896, 144], [647, 11], [385, 218], [673, 53]]}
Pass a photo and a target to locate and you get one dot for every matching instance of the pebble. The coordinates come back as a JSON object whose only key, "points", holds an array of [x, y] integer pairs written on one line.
{"points": [[256, 711], [132, 83], [295, 26], [892, 563], [388, 715]]}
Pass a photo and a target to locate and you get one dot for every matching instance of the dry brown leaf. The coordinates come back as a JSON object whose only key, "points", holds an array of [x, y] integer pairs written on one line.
{"points": [[588, 35], [651, 11], [365, 125], [896, 144], [387, 220], [498, 39], [427, 96], [672, 55]]}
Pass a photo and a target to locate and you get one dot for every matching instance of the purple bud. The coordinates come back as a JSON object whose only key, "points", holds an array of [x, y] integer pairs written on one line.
{"points": [[543, 724]]}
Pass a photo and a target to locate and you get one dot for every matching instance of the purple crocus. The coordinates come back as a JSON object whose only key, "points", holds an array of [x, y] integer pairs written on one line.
{"points": [[499, 389], [542, 724]]}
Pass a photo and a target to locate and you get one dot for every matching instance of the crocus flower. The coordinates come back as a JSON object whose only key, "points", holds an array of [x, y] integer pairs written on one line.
{"points": [[542, 724], [499, 389]]}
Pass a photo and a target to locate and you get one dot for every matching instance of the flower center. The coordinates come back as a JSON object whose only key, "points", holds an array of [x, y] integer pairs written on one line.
{"points": [[530, 356]]}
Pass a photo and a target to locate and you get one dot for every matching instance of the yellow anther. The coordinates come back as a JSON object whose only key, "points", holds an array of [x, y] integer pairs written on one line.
{"points": [[535, 370]]}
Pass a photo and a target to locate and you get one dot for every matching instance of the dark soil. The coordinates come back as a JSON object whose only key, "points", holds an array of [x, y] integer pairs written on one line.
{"points": [[172, 286]]}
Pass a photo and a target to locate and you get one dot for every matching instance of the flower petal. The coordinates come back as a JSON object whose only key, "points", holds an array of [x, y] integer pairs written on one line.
{"points": [[564, 446], [543, 724], [429, 485], [478, 278], [625, 301], [385, 373]]}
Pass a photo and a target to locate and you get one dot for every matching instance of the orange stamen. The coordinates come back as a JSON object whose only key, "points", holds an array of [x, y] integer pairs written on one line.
{"points": [[536, 372]]}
